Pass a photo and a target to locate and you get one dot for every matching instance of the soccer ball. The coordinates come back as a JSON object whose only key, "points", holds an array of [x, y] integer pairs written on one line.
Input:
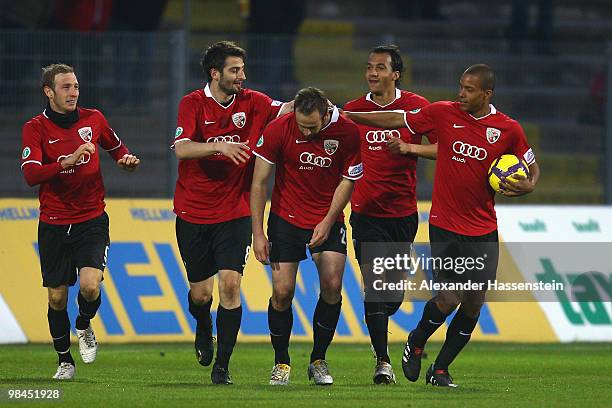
{"points": [[507, 166]]}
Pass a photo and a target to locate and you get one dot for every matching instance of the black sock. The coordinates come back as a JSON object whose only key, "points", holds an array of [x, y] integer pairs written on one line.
{"points": [[59, 327], [228, 324], [430, 321], [378, 322], [87, 310], [324, 323], [201, 314], [457, 336], [280, 324], [392, 307]]}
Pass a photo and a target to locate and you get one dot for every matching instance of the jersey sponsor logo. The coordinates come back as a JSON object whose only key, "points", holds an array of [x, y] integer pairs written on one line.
{"points": [[85, 133], [239, 119], [84, 159], [179, 131], [311, 158], [26, 153], [381, 136], [331, 146], [493, 135], [356, 170], [260, 142], [226, 139], [467, 150]]}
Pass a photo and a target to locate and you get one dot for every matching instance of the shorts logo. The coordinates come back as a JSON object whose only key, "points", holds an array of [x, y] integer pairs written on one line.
{"points": [[468, 150], [239, 119], [260, 142], [85, 133], [493, 135], [381, 136], [529, 156], [179, 131], [356, 170], [26, 153], [226, 139], [331, 146], [311, 158]]}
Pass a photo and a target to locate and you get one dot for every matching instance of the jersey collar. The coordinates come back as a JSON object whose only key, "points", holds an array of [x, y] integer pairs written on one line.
{"points": [[334, 118], [398, 94], [210, 95], [493, 112]]}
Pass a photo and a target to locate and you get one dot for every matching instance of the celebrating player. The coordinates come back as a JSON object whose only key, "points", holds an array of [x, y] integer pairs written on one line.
{"points": [[471, 134], [59, 153], [213, 225], [316, 152], [384, 207]]}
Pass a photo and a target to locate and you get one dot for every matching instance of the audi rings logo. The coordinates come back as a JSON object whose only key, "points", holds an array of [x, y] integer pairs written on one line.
{"points": [[85, 158], [381, 136], [226, 139], [468, 150], [311, 158]]}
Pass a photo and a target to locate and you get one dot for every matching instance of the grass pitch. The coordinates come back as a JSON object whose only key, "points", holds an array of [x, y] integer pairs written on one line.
{"points": [[488, 374]]}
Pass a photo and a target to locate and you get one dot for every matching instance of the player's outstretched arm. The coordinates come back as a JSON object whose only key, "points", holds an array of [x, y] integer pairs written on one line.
{"points": [[342, 195], [128, 162], [520, 185], [236, 152], [383, 120], [262, 172], [398, 146]]}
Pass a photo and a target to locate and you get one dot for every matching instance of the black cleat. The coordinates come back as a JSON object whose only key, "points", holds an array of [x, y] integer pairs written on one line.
{"points": [[220, 376], [411, 360], [439, 378], [204, 349]]}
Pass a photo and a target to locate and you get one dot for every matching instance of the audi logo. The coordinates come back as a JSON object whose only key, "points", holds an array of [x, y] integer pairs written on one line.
{"points": [[381, 136], [310, 158], [83, 160], [226, 139], [468, 150]]}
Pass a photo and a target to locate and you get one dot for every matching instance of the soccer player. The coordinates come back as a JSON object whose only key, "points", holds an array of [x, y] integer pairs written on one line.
{"points": [[471, 134], [316, 152], [59, 153], [215, 126], [384, 207]]}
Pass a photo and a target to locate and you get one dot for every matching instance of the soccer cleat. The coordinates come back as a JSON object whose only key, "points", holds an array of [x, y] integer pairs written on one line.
{"points": [[383, 374], [439, 378], [65, 371], [220, 376], [280, 374], [411, 360], [319, 370], [88, 346], [204, 348]]}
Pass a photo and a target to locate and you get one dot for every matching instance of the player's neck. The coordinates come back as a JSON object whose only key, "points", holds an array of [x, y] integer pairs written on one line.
{"points": [[385, 98], [219, 95], [484, 111]]}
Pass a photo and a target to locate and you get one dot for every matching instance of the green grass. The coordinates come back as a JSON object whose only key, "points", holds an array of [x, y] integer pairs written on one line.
{"points": [[489, 375]]}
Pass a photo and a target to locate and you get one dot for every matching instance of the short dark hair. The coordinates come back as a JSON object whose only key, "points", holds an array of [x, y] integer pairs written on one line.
{"points": [[397, 64], [307, 100], [215, 55], [485, 73], [50, 71]]}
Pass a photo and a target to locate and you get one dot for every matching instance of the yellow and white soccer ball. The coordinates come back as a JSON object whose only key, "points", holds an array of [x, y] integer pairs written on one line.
{"points": [[507, 165]]}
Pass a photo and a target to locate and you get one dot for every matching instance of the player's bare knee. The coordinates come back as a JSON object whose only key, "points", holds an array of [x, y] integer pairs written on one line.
{"points": [[472, 309], [90, 291], [282, 298], [58, 300], [446, 304]]}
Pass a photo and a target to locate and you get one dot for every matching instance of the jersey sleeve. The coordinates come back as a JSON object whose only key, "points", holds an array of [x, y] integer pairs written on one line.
{"points": [[352, 167], [420, 120], [186, 121], [269, 144], [521, 148], [34, 171], [110, 141]]}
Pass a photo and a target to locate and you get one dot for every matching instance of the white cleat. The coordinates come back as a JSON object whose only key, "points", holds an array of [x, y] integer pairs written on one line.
{"points": [[319, 370], [383, 374], [65, 371], [280, 374], [88, 346]]}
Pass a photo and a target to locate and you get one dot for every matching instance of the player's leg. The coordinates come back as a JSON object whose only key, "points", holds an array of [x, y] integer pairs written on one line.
{"points": [[89, 300], [200, 301], [59, 327]]}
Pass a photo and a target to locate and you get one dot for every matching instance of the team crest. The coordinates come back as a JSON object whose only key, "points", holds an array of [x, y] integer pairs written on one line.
{"points": [[239, 119], [85, 133], [493, 135], [331, 146]]}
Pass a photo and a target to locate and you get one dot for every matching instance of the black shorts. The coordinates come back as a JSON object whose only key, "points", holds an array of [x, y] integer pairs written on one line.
{"points": [[483, 249], [209, 248], [375, 229], [288, 242], [65, 249]]}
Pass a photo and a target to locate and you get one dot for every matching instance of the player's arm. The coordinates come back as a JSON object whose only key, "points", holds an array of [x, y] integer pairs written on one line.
{"points": [[262, 172], [383, 120], [521, 185], [342, 195], [187, 149], [36, 173], [398, 146]]}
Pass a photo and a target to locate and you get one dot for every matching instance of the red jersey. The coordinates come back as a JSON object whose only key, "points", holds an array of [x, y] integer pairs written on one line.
{"points": [[388, 186], [308, 171], [463, 202], [213, 189], [75, 194]]}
